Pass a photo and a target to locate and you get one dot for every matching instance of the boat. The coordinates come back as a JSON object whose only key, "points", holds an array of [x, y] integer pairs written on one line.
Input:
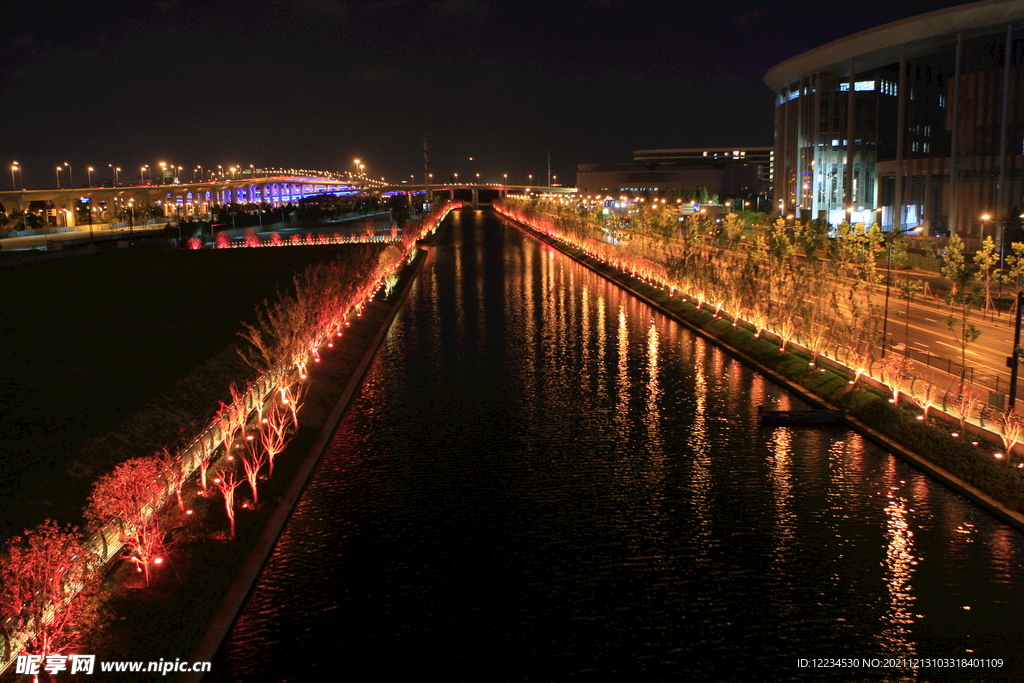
{"points": [[800, 417]]}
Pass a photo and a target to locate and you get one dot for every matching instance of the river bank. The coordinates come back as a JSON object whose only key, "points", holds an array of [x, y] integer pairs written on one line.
{"points": [[829, 389]]}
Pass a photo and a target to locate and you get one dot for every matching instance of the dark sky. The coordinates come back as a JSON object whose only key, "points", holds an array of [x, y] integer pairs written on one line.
{"points": [[316, 83]]}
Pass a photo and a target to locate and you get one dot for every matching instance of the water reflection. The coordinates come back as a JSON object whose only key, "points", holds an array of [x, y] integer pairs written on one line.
{"points": [[585, 489]]}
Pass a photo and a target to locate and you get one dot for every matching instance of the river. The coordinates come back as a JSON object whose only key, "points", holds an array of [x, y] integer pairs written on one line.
{"points": [[544, 479]]}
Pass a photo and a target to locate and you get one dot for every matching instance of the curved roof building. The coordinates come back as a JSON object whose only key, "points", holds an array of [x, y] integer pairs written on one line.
{"points": [[917, 122]]}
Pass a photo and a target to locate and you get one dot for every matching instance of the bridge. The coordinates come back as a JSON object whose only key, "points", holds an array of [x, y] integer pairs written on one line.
{"points": [[473, 194], [185, 199], [64, 205]]}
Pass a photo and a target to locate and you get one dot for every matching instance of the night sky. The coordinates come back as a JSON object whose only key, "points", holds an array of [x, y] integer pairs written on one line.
{"points": [[317, 83]]}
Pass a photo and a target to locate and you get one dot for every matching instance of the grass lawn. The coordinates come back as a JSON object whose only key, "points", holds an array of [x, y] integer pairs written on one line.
{"points": [[88, 341]]}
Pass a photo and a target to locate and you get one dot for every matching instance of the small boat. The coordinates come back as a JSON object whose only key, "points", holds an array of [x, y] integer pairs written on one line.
{"points": [[800, 417]]}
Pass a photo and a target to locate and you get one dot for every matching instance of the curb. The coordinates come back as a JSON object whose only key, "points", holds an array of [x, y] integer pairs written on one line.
{"points": [[239, 591], [951, 481]]}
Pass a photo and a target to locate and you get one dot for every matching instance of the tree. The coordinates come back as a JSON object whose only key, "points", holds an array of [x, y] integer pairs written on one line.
{"points": [[226, 482], [1010, 428], [926, 394], [174, 473], [254, 457], [963, 403], [48, 580], [1014, 274], [129, 499], [275, 433], [962, 299], [985, 260], [895, 371]]}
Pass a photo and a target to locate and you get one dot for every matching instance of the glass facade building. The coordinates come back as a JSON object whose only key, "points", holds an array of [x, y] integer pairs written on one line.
{"points": [[917, 122]]}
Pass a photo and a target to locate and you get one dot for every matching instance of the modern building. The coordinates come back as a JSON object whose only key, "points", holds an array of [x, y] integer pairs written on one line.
{"points": [[743, 174], [917, 122]]}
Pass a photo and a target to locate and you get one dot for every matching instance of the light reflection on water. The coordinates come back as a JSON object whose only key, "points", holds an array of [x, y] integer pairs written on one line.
{"points": [[584, 487]]}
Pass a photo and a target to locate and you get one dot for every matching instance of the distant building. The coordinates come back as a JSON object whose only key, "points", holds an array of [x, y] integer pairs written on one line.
{"points": [[743, 174], [917, 122]]}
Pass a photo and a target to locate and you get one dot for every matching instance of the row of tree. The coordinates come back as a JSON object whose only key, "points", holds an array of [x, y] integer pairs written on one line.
{"points": [[50, 575], [809, 283]]}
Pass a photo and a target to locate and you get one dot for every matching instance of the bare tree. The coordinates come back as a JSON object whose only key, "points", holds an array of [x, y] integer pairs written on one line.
{"points": [[226, 482], [964, 402], [254, 457], [174, 473], [1010, 428], [275, 433]]}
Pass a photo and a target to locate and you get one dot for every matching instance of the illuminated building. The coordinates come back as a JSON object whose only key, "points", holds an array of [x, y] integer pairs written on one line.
{"points": [[928, 110], [740, 173]]}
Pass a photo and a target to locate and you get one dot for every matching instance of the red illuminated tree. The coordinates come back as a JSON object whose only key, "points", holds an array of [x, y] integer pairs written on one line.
{"points": [[226, 482], [253, 460], [291, 397], [174, 473], [47, 588], [129, 499], [231, 419], [275, 433]]}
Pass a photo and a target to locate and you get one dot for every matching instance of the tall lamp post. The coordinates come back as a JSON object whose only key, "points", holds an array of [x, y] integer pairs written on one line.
{"points": [[14, 167], [89, 170], [58, 177], [888, 281], [1014, 360]]}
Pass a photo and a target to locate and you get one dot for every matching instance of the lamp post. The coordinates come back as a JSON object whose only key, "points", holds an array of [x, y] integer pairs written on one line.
{"points": [[58, 177], [14, 167], [89, 170], [888, 280], [71, 175]]}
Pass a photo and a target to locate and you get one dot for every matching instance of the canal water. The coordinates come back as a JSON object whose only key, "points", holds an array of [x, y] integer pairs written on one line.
{"points": [[545, 479]]}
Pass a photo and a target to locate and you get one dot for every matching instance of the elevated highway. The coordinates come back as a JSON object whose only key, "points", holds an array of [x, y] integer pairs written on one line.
{"points": [[183, 199], [473, 194]]}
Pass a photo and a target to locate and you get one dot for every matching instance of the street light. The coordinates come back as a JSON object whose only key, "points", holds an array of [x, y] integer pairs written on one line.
{"points": [[89, 170], [58, 177], [71, 175], [14, 167], [888, 281]]}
